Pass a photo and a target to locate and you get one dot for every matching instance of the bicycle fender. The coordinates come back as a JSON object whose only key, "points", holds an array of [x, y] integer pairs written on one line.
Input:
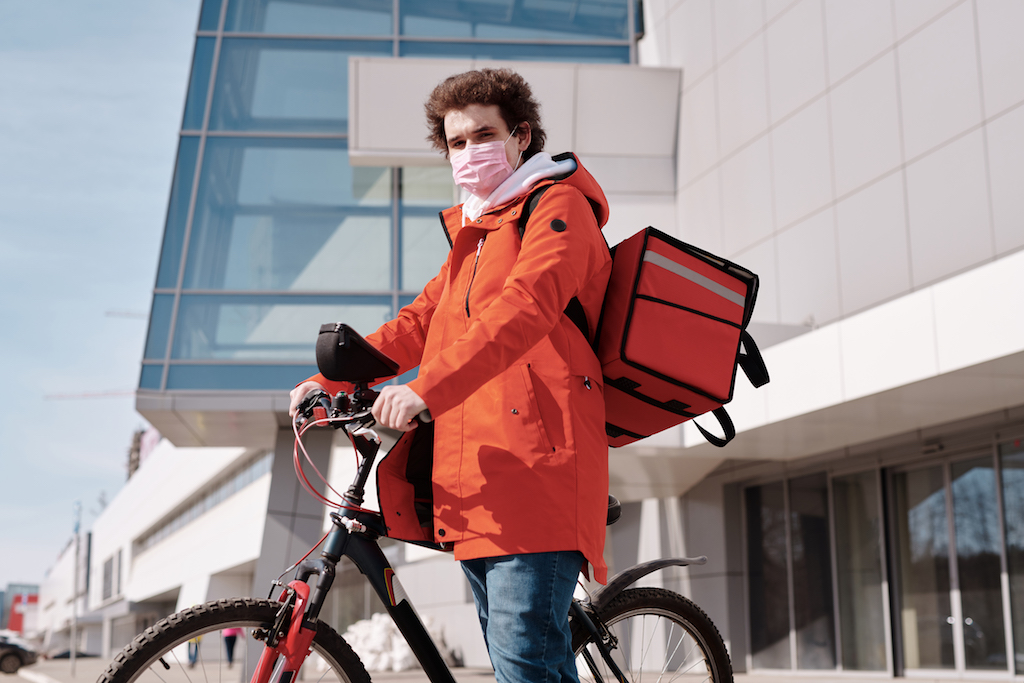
{"points": [[627, 577]]}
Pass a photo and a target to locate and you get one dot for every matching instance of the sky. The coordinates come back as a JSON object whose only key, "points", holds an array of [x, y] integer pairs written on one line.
{"points": [[91, 99]]}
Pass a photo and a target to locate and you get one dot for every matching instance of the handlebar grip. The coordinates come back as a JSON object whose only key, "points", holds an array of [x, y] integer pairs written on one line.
{"points": [[425, 416]]}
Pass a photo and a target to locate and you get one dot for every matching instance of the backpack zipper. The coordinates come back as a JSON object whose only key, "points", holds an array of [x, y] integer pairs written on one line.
{"points": [[476, 262]]}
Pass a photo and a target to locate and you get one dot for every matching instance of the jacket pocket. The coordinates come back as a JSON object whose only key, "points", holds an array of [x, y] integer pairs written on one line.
{"points": [[537, 411]]}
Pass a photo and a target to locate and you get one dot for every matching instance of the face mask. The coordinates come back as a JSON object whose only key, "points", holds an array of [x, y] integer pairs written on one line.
{"points": [[479, 169]]}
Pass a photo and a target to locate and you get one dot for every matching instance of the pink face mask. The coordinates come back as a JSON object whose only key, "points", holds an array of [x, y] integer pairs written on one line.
{"points": [[479, 169]]}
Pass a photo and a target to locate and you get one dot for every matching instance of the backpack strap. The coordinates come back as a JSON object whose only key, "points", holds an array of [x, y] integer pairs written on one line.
{"points": [[756, 371], [574, 310], [728, 428], [751, 361]]}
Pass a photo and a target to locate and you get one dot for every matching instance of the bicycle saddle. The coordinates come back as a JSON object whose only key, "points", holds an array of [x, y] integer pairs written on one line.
{"points": [[344, 356]]}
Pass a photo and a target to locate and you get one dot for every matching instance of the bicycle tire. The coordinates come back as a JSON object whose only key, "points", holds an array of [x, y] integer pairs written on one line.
{"points": [[656, 630], [157, 653]]}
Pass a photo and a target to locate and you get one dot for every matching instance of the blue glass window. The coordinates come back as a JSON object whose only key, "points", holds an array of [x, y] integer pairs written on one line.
{"points": [[289, 215], [199, 84], [209, 17], [276, 85], [524, 20], [311, 17], [605, 54], [238, 377], [151, 377], [177, 213], [425, 192], [159, 326], [282, 328]]}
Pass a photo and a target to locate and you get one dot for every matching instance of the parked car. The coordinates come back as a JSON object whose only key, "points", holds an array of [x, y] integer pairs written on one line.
{"points": [[14, 655]]}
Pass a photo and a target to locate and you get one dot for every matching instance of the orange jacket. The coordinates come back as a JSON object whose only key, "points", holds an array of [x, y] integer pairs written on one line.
{"points": [[520, 457]]}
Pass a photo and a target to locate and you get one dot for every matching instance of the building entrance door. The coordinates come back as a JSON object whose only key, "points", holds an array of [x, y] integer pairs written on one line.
{"points": [[948, 559]]}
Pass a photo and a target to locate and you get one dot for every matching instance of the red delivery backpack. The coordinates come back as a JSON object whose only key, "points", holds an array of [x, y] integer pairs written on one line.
{"points": [[671, 335]]}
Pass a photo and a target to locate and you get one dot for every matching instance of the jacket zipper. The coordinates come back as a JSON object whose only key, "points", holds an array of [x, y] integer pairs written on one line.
{"points": [[476, 262]]}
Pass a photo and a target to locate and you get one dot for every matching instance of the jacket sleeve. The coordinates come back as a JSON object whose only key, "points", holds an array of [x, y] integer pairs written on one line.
{"points": [[402, 339], [551, 268]]}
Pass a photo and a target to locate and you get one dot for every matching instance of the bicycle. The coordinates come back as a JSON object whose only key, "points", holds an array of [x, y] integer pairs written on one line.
{"points": [[619, 633]]}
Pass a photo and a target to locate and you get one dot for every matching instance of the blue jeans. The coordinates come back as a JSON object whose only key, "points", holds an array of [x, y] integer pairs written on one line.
{"points": [[523, 604]]}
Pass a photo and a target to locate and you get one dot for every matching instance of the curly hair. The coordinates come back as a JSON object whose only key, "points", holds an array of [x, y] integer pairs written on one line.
{"points": [[502, 87]]}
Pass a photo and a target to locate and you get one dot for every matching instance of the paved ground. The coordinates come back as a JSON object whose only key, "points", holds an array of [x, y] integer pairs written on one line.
{"points": [[88, 670]]}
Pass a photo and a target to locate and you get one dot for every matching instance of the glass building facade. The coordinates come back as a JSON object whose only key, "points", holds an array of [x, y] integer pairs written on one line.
{"points": [[270, 231], [915, 568]]}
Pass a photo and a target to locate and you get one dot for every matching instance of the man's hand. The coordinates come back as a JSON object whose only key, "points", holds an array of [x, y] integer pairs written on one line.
{"points": [[299, 393], [397, 406]]}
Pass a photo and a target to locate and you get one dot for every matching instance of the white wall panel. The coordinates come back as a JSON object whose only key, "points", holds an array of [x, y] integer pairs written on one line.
{"points": [[762, 260], [632, 213], [948, 210], [653, 48], [1001, 40], [639, 120], [802, 164], [808, 281], [796, 58], [874, 263], [865, 125], [735, 22], [692, 45], [806, 374], [1006, 162], [912, 14], [742, 103], [909, 354], [773, 8], [553, 85], [939, 82], [978, 314], [856, 33], [224, 537], [700, 214], [747, 197], [641, 175], [698, 132], [389, 119]]}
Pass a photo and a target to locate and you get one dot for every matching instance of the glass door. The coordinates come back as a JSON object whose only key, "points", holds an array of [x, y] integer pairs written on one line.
{"points": [[979, 558], [948, 552], [925, 612]]}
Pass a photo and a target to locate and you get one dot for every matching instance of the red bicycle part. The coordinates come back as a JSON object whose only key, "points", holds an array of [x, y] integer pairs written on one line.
{"points": [[293, 645]]}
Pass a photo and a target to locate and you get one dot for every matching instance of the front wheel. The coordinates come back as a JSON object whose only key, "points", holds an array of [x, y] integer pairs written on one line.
{"points": [[654, 631], [190, 645]]}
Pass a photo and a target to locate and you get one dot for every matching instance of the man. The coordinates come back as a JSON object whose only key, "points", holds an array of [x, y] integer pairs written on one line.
{"points": [[519, 479]]}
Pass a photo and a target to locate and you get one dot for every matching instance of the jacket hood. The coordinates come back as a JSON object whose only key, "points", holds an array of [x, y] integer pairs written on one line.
{"points": [[585, 183]]}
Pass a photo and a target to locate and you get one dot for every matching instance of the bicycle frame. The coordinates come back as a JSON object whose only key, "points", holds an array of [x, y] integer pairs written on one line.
{"points": [[354, 535]]}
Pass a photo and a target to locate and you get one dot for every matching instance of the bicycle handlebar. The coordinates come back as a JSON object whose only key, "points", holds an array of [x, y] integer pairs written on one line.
{"points": [[344, 408]]}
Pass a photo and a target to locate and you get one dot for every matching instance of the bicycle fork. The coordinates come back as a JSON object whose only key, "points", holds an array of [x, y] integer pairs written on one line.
{"points": [[603, 640], [289, 638], [292, 633]]}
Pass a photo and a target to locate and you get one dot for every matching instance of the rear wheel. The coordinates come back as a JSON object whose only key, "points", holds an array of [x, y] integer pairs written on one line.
{"points": [[161, 654], [654, 631]]}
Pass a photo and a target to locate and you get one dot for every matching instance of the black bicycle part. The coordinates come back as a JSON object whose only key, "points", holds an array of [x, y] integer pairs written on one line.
{"points": [[342, 355]]}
